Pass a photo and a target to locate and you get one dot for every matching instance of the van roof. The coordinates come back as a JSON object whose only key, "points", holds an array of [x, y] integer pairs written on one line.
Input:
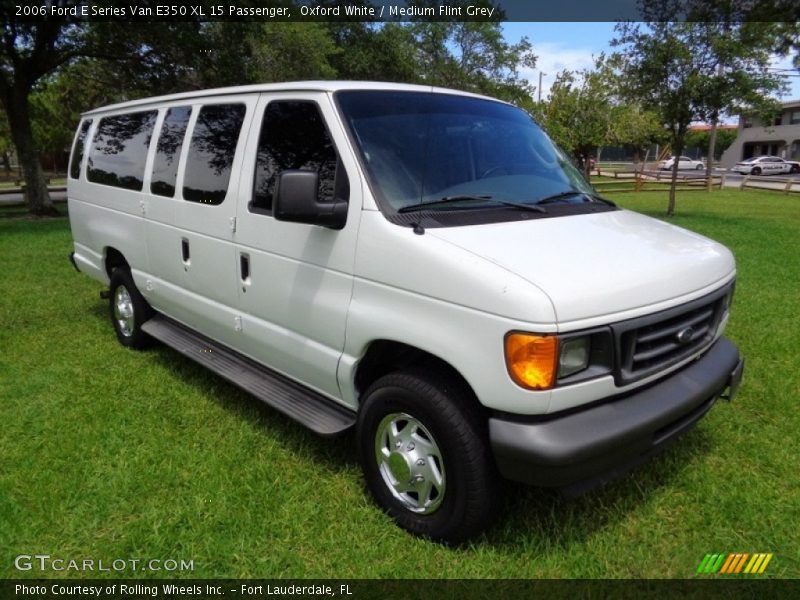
{"points": [[293, 86]]}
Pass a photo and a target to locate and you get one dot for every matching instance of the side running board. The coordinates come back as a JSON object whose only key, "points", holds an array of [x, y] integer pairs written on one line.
{"points": [[305, 406]]}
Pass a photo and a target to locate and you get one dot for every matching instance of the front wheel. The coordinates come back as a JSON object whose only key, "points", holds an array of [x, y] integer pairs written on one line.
{"points": [[425, 455], [795, 169], [700, 167], [128, 310]]}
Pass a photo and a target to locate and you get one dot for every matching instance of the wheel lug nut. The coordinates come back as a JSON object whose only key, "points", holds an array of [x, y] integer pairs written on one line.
{"points": [[419, 479], [398, 444], [421, 462], [410, 446]]}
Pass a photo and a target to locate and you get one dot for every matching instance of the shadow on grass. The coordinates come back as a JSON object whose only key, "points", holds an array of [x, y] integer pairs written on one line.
{"points": [[337, 451], [545, 518], [22, 213]]}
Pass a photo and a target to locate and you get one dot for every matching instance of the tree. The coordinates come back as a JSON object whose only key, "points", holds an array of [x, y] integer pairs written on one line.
{"points": [[585, 112], [29, 52], [634, 127], [471, 56], [578, 113], [112, 61], [742, 50], [702, 140], [674, 68]]}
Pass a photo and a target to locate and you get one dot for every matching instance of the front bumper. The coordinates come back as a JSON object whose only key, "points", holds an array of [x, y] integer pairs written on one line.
{"points": [[587, 448]]}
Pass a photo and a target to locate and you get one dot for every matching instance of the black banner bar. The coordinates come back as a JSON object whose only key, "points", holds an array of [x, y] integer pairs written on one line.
{"points": [[248, 589]]}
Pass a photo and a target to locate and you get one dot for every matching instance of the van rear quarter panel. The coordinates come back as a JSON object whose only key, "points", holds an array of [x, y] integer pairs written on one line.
{"points": [[96, 227]]}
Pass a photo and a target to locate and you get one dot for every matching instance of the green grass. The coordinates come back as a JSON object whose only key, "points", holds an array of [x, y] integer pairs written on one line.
{"points": [[107, 453]]}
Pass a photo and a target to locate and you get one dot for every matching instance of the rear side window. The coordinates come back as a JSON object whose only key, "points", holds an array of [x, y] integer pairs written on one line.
{"points": [[77, 150], [168, 151], [293, 136], [208, 166], [120, 148]]}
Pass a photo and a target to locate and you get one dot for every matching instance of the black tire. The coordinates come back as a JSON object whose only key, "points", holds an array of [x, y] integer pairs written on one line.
{"points": [[128, 310], [699, 167], [794, 169], [756, 171], [451, 441]]}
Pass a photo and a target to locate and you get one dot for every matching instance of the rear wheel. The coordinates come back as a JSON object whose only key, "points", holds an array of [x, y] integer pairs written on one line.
{"points": [[700, 167], [128, 310], [756, 171], [426, 457]]}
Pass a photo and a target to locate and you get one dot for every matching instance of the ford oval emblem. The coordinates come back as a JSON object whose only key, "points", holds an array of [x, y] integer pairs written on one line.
{"points": [[684, 336]]}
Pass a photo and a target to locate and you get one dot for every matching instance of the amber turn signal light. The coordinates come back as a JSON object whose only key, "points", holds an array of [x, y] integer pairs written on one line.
{"points": [[532, 360]]}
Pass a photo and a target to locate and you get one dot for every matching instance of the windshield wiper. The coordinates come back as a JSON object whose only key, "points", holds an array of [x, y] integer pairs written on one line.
{"points": [[567, 193], [460, 198], [441, 201]]}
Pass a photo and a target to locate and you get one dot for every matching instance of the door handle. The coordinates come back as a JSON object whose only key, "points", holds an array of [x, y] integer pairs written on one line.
{"points": [[244, 268], [185, 251]]}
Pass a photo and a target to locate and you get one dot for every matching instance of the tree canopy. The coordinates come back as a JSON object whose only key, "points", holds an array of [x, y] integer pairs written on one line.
{"points": [[694, 70], [53, 70]]}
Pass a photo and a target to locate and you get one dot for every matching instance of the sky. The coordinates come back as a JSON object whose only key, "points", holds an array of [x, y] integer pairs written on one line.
{"points": [[560, 46]]}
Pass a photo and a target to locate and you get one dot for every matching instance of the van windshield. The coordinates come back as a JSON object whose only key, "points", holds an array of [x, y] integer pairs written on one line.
{"points": [[421, 148]]}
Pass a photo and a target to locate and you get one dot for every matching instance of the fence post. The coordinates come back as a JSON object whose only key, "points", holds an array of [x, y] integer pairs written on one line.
{"points": [[744, 182], [722, 181]]}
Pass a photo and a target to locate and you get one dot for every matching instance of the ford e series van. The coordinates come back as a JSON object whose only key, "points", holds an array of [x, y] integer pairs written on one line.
{"points": [[421, 265]]}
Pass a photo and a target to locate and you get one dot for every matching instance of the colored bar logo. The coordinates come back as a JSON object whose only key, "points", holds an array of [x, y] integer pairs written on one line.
{"points": [[735, 562]]}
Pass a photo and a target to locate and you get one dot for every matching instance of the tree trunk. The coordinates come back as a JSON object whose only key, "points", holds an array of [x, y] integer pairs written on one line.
{"points": [[677, 148], [36, 194], [712, 143]]}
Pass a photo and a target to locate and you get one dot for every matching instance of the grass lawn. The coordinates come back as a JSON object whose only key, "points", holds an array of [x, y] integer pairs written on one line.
{"points": [[108, 453]]}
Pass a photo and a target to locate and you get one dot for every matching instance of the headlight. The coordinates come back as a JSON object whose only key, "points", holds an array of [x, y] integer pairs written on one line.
{"points": [[540, 361], [574, 356]]}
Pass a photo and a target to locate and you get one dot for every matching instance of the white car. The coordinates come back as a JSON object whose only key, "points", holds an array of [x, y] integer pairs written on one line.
{"points": [[766, 165], [684, 163], [421, 265]]}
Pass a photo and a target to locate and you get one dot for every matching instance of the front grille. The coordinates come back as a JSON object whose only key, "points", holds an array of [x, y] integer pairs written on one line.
{"points": [[649, 344]]}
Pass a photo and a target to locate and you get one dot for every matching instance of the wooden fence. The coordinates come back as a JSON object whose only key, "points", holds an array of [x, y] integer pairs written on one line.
{"points": [[654, 181], [760, 182]]}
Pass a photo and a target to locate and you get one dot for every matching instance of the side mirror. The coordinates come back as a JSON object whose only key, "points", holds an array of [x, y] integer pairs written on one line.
{"points": [[296, 200]]}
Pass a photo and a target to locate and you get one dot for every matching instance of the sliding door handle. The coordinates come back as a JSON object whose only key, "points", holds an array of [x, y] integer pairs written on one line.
{"points": [[185, 251], [244, 267]]}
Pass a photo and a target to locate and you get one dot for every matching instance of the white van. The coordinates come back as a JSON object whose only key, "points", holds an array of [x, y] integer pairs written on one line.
{"points": [[421, 264]]}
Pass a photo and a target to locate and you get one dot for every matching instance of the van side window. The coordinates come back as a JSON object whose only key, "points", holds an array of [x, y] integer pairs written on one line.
{"points": [[170, 142], [77, 150], [293, 136], [120, 148], [208, 166]]}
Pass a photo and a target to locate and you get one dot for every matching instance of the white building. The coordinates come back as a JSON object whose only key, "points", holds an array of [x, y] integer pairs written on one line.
{"points": [[781, 137]]}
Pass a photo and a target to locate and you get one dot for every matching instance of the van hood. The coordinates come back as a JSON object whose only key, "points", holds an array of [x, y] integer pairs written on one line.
{"points": [[599, 264]]}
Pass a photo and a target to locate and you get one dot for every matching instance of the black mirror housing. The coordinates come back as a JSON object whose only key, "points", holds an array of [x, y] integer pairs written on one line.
{"points": [[296, 200]]}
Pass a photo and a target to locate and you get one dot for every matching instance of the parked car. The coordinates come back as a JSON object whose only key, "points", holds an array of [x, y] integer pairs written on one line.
{"points": [[420, 265], [684, 163], [766, 165]]}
